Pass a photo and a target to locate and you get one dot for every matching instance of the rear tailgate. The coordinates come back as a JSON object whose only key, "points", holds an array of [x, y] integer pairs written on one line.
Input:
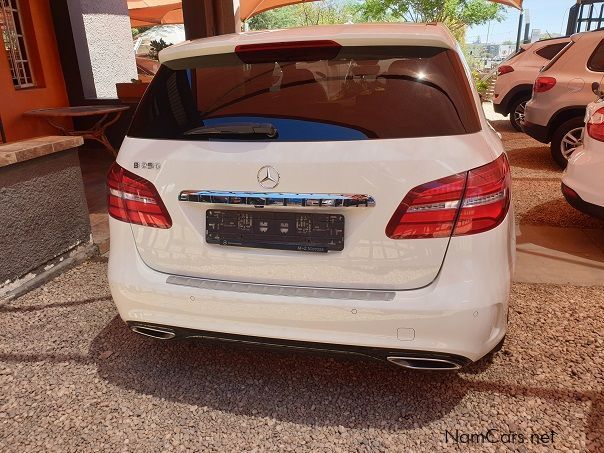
{"points": [[369, 259]]}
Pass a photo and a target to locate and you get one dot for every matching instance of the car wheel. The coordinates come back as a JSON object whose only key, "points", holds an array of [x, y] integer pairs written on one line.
{"points": [[566, 139], [517, 110]]}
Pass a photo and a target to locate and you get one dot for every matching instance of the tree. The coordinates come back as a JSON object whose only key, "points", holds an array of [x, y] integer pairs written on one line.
{"points": [[455, 14], [304, 14]]}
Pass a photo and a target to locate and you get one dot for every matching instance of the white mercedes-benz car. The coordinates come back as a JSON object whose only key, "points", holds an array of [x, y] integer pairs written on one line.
{"points": [[331, 187], [582, 183]]}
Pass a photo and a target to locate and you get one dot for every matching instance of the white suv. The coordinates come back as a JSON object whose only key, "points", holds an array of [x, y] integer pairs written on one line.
{"points": [[582, 184], [561, 93], [332, 187], [516, 76]]}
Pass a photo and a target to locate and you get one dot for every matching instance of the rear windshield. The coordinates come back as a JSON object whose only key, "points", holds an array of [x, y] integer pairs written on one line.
{"points": [[358, 93]]}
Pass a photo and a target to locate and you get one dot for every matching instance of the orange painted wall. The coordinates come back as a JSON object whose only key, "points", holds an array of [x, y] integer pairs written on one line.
{"points": [[50, 92]]}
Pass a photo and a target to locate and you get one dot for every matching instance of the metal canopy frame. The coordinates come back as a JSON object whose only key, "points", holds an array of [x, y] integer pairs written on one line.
{"points": [[586, 15]]}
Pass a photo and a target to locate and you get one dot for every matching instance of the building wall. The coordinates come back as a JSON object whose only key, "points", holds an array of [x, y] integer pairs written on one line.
{"points": [[104, 47], [50, 90]]}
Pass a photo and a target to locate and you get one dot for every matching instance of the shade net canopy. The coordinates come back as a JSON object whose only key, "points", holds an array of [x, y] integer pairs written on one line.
{"points": [[158, 12]]}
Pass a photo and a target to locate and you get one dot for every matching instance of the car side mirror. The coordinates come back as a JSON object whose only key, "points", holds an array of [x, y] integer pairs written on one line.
{"points": [[597, 89]]}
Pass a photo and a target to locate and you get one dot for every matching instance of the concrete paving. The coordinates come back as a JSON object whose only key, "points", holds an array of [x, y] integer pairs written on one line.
{"points": [[559, 256]]}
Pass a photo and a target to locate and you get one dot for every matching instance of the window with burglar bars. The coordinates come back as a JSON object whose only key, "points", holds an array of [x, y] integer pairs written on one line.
{"points": [[14, 44]]}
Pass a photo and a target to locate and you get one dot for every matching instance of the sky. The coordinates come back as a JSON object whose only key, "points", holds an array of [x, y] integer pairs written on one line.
{"points": [[547, 15]]}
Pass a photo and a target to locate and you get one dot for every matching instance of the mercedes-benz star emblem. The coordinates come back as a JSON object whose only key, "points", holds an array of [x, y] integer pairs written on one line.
{"points": [[268, 177]]}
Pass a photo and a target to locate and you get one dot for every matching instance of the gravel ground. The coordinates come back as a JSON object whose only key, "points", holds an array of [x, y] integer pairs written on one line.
{"points": [[74, 378], [536, 181]]}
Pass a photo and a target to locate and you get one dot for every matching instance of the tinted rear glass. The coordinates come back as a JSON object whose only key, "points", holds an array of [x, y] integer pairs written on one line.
{"points": [[559, 55], [549, 52], [360, 93], [596, 61]]}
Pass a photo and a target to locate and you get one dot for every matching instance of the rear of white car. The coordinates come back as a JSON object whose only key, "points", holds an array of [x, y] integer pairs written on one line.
{"points": [[516, 76], [582, 184], [327, 187]]}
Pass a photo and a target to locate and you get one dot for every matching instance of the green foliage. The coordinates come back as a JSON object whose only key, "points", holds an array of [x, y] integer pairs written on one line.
{"points": [[156, 46], [305, 14], [456, 14]]}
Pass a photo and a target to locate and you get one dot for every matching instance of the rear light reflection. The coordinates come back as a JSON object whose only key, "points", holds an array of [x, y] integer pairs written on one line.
{"points": [[133, 199], [458, 205], [543, 84], [595, 125]]}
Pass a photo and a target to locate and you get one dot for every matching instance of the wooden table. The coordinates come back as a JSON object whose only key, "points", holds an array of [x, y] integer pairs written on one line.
{"points": [[109, 115]]}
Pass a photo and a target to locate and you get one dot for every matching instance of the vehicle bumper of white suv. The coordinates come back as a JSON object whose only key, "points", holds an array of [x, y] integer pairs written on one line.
{"points": [[581, 182], [460, 317]]}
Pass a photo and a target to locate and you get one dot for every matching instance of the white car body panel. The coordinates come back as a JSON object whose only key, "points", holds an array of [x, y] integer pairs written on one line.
{"points": [[586, 166], [444, 295]]}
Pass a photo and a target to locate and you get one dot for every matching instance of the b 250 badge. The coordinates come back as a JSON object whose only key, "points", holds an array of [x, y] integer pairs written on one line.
{"points": [[147, 165]]}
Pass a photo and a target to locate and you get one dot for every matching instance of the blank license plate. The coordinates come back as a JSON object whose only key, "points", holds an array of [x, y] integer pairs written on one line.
{"points": [[304, 232]]}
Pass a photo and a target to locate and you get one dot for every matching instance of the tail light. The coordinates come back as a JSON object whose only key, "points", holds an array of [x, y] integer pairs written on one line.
{"points": [[543, 84], [133, 199], [458, 205], [288, 51], [505, 69], [595, 125]]}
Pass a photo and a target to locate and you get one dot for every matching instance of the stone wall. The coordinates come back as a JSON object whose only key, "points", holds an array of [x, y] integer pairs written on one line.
{"points": [[43, 206]]}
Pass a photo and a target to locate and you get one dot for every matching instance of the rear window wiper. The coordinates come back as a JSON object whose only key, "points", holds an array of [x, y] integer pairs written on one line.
{"points": [[235, 130]]}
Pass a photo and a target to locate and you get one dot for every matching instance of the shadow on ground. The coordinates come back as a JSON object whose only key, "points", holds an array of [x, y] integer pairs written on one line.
{"points": [[535, 158], [559, 213], [298, 387]]}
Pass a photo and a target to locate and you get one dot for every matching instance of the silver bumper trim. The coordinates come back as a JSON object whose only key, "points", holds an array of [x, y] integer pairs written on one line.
{"points": [[296, 200], [278, 290]]}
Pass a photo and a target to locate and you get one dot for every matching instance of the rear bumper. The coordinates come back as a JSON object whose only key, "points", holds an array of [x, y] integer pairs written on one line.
{"points": [[501, 109], [578, 203], [536, 131], [438, 360], [462, 314]]}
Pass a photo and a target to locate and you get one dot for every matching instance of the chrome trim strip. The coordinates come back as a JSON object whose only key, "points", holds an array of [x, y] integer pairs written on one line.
{"points": [[315, 200], [278, 290]]}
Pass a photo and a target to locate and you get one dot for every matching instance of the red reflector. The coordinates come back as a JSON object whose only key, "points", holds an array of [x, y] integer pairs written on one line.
{"points": [[543, 84], [133, 199], [595, 125], [461, 204], [288, 51], [505, 69], [569, 193]]}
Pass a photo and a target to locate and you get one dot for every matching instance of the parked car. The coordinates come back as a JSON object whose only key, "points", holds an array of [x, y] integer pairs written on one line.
{"points": [[516, 76], [582, 183], [561, 93], [332, 187]]}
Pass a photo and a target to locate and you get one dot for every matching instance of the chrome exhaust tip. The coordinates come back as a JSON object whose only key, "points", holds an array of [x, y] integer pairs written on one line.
{"points": [[424, 363], [158, 333]]}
